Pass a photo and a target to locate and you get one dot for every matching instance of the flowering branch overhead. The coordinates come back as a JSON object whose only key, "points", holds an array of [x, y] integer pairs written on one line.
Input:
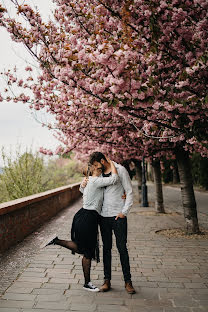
{"points": [[118, 73]]}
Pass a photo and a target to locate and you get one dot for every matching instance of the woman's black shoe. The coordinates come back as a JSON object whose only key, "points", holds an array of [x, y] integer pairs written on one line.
{"points": [[50, 241]]}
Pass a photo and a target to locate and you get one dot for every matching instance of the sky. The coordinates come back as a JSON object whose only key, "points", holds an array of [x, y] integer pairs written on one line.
{"points": [[18, 125]]}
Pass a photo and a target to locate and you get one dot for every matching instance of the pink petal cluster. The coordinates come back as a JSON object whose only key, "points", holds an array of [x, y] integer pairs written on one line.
{"points": [[129, 78]]}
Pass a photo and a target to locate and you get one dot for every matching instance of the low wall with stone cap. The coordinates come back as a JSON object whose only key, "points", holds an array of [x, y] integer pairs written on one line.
{"points": [[20, 217]]}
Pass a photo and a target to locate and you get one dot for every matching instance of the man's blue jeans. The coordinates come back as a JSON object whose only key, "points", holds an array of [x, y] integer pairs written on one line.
{"points": [[119, 227]]}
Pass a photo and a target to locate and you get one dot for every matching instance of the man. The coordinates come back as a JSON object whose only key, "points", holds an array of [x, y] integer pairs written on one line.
{"points": [[113, 218]]}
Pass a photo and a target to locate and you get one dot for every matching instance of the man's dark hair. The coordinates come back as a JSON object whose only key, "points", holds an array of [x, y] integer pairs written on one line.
{"points": [[96, 156]]}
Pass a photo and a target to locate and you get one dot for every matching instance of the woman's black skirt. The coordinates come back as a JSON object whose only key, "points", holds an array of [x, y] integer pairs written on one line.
{"points": [[84, 233]]}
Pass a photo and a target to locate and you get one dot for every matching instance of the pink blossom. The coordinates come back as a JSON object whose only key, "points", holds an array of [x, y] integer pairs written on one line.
{"points": [[28, 68], [97, 75]]}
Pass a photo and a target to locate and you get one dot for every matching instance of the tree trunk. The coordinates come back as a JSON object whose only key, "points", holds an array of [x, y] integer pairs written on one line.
{"points": [[187, 192], [176, 179], [138, 167], [158, 187]]}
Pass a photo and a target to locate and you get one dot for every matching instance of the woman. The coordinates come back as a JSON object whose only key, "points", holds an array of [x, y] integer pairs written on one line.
{"points": [[84, 231]]}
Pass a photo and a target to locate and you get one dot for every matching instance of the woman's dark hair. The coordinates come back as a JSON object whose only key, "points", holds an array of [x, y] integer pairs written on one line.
{"points": [[87, 171], [96, 156]]}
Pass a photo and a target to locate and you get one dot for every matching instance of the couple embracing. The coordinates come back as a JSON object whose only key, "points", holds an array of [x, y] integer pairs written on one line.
{"points": [[107, 199]]}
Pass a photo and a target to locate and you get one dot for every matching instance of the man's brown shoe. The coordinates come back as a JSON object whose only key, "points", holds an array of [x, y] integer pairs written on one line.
{"points": [[106, 286], [129, 288]]}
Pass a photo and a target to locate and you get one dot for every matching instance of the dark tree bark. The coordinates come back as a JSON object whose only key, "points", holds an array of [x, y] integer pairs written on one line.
{"points": [[126, 164], [138, 167], [176, 179], [187, 192], [159, 205]]}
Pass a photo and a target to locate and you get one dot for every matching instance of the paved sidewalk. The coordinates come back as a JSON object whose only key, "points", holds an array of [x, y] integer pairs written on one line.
{"points": [[168, 274]]}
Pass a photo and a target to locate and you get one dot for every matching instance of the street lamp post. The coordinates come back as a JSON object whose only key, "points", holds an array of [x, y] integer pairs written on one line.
{"points": [[144, 186]]}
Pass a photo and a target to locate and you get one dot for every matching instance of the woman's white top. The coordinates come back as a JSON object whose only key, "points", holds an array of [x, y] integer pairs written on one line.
{"points": [[93, 192]]}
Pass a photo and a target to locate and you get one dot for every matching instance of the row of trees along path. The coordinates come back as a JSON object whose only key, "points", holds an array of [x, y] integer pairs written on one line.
{"points": [[126, 77]]}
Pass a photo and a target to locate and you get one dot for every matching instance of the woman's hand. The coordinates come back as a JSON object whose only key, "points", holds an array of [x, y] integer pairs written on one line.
{"points": [[84, 182], [108, 159], [123, 196], [113, 168]]}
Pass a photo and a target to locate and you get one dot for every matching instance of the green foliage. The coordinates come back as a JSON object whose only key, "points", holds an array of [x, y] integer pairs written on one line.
{"points": [[61, 172], [3, 192], [21, 177], [27, 174]]}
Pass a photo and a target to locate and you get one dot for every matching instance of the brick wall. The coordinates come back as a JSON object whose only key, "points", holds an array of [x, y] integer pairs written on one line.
{"points": [[20, 217]]}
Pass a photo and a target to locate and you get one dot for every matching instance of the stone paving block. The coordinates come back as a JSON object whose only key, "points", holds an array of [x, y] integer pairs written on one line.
{"points": [[45, 257], [48, 291], [170, 285], [185, 302], [82, 299], [195, 285], [67, 270], [199, 280], [147, 272], [75, 286], [150, 293], [40, 265], [93, 276], [109, 300], [16, 304], [135, 270], [67, 262], [178, 309], [146, 284], [200, 296], [41, 270], [9, 310], [138, 277], [56, 285], [61, 266], [76, 271], [19, 290], [33, 274], [180, 280], [83, 307], [68, 280], [147, 309], [80, 276], [99, 271], [41, 310], [73, 292], [158, 279], [60, 275], [148, 302], [22, 284], [201, 291], [146, 266], [33, 279], [53, 306], [113, 308], [42, 261], [177, 293], [51, 297], [203, 302], [25, 297]]}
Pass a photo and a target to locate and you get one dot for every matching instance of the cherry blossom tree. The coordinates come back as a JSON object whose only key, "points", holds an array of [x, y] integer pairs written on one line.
{"points": [[127, 76]]}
